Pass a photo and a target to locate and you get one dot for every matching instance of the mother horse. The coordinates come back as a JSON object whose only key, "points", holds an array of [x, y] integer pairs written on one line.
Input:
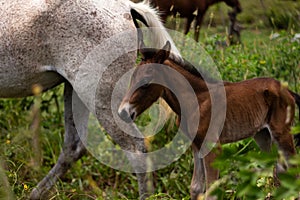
{"points": [[47, 42]]}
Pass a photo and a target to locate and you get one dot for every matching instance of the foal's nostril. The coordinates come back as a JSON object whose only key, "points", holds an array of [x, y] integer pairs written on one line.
{"points": [[122, 114], [125, 116]]}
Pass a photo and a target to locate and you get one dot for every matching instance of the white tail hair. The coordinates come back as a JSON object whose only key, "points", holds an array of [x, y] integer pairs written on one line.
{"points": [[160, 34]]}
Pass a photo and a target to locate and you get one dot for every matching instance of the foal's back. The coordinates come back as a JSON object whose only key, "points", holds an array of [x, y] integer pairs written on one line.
{"points": [[252, 106]]}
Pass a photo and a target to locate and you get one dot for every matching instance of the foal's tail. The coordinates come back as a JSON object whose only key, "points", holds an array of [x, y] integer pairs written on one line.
{"points": [[297, 100], [149, 16]]}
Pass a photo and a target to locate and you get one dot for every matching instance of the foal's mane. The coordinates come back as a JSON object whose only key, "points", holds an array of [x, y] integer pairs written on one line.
{"points": [[148, 53], [196, 71]]}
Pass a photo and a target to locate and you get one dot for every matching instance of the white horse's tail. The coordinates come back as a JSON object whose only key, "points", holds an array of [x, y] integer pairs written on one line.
{"points": [[149, 16]]}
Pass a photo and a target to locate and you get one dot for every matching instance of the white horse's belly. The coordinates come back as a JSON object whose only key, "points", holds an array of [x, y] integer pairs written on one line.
{"points": [[20, 85]]}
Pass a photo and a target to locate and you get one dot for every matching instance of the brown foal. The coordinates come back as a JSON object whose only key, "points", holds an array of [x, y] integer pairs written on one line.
{"points": [[261, 108]]}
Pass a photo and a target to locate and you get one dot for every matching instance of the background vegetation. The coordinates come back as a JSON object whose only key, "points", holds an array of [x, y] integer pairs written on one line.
{"points": [[269, 49]]}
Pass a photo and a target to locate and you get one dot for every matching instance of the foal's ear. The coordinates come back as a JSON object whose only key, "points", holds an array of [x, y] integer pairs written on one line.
{"points": [[163, 54]]}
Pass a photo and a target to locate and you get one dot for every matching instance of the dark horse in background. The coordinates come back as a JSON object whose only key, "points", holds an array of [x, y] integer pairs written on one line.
{"points": [[187, 8]]}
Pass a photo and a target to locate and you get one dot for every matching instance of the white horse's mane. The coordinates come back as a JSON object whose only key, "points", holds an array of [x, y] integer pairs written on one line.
{"points": [[159, 34]]}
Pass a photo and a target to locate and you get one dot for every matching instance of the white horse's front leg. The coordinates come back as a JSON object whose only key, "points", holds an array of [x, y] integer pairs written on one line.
{"points": [[73, 147], [133, 147]]}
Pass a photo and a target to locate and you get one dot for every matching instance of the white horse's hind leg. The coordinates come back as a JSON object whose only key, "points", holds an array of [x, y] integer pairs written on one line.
{"points": [[73, 147]]}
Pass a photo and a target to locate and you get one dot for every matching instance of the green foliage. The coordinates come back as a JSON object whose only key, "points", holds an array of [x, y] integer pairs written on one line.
{"points": [[249, 173], [284, 15], [277, 14]]}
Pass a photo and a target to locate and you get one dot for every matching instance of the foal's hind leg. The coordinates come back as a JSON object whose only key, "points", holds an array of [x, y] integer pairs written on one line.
{"points": [[73, 147]]}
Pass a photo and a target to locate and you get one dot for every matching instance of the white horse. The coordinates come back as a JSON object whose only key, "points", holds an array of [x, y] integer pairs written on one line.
{"points": [[46, 42]]}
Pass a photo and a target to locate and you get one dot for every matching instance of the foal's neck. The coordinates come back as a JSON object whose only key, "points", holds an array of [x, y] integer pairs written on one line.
{"points": [[198, 84], [171, 100]]}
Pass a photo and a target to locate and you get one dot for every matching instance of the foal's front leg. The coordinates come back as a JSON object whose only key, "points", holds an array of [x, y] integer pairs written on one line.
{"points": [[204, 174], [211, 174], [73, 147], [198, 180]]}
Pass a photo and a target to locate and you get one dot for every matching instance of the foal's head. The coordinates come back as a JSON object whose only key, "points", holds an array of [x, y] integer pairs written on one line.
{"points": [[143, 91]]}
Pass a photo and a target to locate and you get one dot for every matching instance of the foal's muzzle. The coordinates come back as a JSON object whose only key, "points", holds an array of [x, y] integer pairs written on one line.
{"points": [[126, 114]]}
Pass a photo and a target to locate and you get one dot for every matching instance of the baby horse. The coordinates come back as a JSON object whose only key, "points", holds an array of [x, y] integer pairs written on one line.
{"points": [[261, 108]]}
